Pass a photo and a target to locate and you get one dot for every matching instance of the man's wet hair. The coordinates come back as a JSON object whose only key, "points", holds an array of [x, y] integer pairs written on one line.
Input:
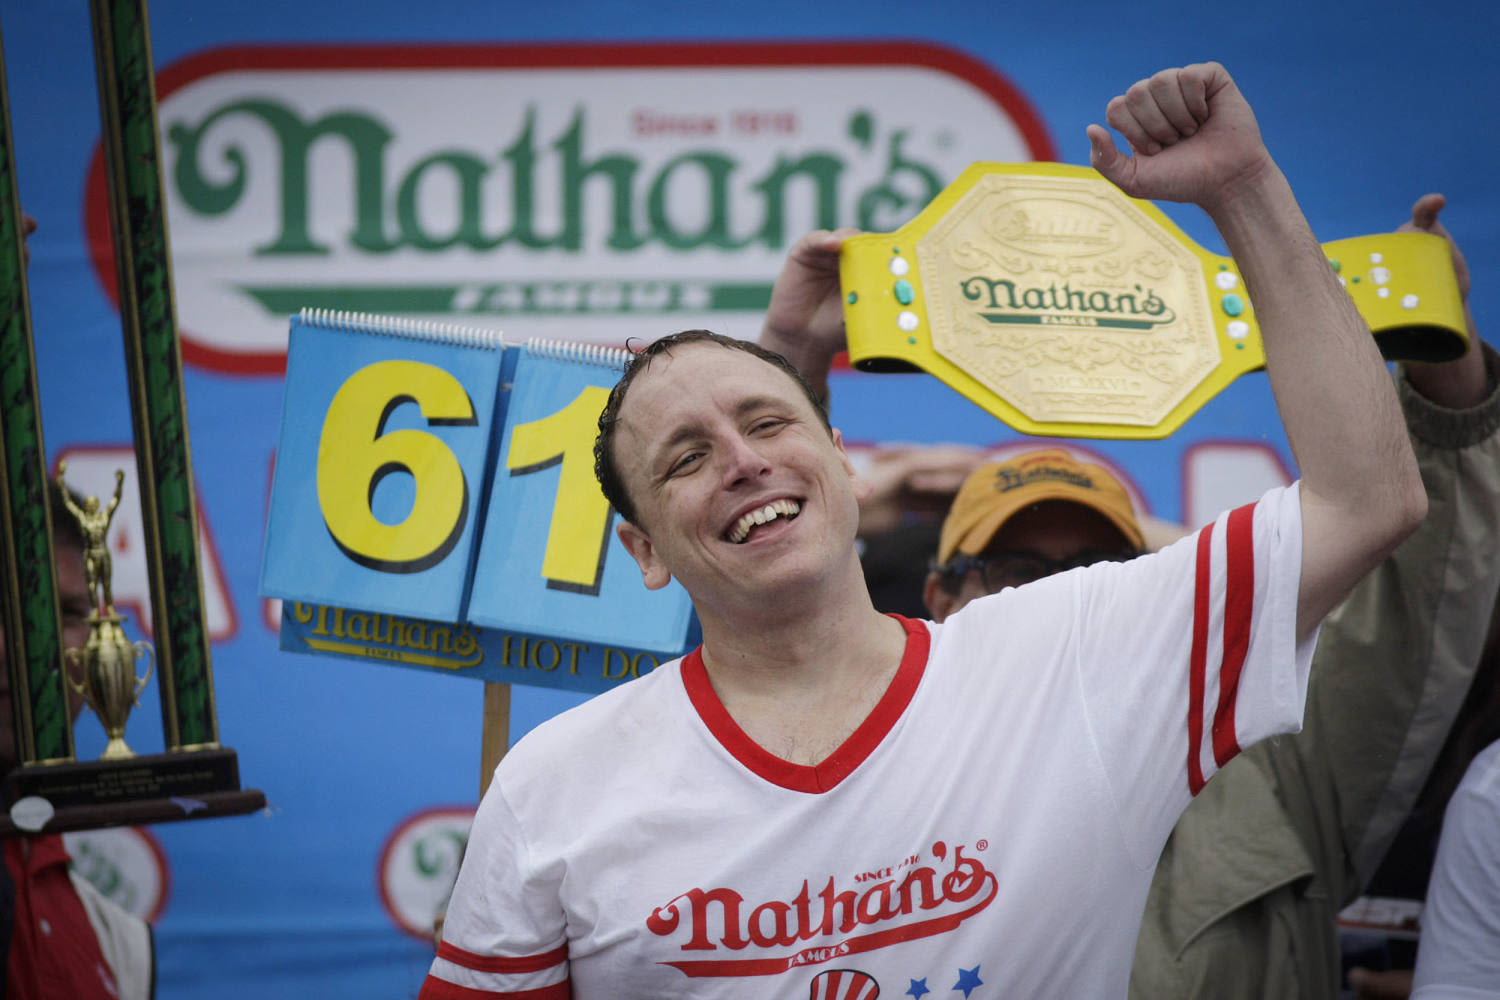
{"points": [[605, 468]]}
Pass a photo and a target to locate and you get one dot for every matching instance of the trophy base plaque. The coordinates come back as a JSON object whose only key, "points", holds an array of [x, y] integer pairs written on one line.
{"points": [[185, 774], [156, 788]]}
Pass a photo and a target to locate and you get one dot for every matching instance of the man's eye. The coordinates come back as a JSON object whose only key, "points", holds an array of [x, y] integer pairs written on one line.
{"points": [[684, 463], [770, 423]]}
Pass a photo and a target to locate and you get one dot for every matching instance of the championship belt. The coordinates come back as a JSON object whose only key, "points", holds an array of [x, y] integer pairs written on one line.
{"points": [[1064, 307]]}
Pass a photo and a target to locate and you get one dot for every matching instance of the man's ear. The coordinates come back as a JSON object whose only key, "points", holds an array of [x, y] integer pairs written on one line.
{"points": [[862, 487], [940, 603], [654, 572]]}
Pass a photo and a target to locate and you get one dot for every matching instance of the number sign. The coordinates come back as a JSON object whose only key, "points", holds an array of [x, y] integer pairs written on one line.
{"points": [[436, 474]]}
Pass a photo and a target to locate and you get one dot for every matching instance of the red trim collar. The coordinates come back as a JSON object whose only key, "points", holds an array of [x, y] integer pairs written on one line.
{"points": [[837, 766]]}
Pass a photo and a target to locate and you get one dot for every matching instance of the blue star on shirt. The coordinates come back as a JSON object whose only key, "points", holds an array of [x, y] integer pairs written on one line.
{"points": [[918, 988], [968, 979]]}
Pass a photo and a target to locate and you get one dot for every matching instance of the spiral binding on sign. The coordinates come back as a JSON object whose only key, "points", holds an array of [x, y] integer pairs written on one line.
{"points": [[410, 329], [572, 350]]}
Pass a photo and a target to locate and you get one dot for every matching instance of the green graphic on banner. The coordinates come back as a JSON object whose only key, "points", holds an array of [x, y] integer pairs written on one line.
{"points": [[520, 298]]}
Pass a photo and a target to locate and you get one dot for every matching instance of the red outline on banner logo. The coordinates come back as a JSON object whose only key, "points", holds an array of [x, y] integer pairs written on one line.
{"points": [[644, 56], [161, 864], [385, 850], [1190, 453], [158, 856]]}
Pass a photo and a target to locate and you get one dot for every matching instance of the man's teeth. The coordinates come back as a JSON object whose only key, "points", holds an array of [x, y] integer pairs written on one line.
{"points": [[761, 515]]}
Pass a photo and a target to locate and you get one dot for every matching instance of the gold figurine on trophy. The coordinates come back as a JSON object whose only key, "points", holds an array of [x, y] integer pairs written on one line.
{"points": [[110, 686], [93, 523]]}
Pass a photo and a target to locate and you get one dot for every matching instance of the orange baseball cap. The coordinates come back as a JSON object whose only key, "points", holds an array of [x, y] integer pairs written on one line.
{"points": [[996, 491]]}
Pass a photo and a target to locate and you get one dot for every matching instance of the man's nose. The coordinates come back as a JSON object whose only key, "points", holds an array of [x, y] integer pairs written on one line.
{"points": [[743, 462]]}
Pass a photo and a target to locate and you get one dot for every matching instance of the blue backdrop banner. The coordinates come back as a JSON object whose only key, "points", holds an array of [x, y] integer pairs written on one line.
{"points": [[620, 171]]}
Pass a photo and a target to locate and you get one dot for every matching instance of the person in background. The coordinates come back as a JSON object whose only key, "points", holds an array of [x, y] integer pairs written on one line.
{"points": [[61, 937], [1030, 517], [1386, 973], [910, 489], [1459, 954]]}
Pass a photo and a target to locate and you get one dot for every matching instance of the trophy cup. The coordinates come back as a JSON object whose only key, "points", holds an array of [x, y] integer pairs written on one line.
{"points": [[110, 686], [107, 660]]}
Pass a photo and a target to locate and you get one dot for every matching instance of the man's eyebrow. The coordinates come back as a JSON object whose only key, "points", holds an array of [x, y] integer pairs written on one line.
{"points": [[753, 403], [682, 434], [695, 427]]}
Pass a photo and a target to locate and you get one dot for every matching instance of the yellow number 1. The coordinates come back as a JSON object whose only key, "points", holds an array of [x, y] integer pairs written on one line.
{"points": [[576, 540]]}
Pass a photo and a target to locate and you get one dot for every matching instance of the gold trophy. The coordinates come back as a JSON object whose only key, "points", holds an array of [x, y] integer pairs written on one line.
{"points": [[107, 660], [194, 777]]}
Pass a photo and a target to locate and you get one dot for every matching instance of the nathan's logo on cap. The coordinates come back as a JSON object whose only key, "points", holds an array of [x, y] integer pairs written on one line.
{"points": [[994, 493], [1009, 477]]}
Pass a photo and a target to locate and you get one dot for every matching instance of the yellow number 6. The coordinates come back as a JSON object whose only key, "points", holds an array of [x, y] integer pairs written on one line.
{"points": [[355, 454]]}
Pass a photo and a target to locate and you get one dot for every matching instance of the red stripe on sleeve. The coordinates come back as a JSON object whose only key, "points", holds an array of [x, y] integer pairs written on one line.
{"points": [[1239, 604], [434, 988], [499, 963], [1198, 663]]}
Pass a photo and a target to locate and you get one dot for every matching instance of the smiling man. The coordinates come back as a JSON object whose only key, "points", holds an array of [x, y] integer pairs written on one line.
{"points": [[823, 800], [739, 488]]}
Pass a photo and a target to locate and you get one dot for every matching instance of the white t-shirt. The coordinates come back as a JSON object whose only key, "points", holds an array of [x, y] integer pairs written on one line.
{"points": [[1459, 957], [991, 828]]}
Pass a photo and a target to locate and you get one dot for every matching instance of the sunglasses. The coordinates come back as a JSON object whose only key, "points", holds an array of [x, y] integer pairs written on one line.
{"points": [[1013, 569]]}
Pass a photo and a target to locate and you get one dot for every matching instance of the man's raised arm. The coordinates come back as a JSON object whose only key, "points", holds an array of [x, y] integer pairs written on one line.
{"points": [[805, 320], [1195, 139]]}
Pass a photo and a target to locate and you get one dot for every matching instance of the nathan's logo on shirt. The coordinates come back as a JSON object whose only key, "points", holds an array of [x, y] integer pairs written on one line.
{"points": [[900, 903]]}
